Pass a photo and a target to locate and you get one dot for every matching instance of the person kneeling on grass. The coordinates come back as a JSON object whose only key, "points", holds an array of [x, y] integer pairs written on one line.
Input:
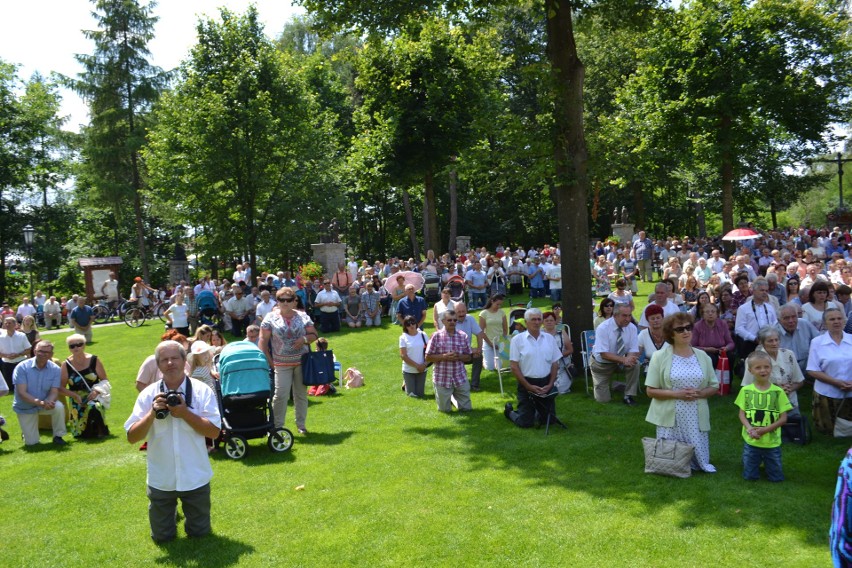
{"points": [[449, 350], [763, 410], [178, 412]]}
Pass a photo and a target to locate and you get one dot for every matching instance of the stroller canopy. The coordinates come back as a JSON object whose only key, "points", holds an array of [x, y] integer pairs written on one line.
{"points": [[243, 369]]}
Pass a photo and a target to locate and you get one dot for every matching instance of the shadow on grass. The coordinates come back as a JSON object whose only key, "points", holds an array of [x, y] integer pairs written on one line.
{"points": [[601, 455], [211, 550], [324, 438]]}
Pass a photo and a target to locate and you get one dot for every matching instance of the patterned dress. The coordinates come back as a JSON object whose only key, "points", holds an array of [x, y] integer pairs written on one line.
{"points": [[87, 418], [602, 287], [686, 373]]}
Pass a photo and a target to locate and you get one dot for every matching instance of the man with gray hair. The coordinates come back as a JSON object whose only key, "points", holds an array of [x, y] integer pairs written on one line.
{"points": [[37, 384], [753, 314], [795, 333], [534, 359], [776, 290], [178, 412], [616, 347]]}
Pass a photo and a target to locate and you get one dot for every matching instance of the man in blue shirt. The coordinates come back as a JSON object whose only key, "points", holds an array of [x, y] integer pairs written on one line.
{"points": [[643, 254], [476, 281], [81, 319], [413, 306], [536, 276], [37, 383]]}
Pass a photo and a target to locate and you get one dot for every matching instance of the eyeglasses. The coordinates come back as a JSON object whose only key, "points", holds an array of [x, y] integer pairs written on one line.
{"points": [[682, 329], [285, 300], [450, 321], [75, 345]]}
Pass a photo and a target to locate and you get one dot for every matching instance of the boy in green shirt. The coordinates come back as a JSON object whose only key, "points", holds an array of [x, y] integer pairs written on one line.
{"points": [[763, 410]]}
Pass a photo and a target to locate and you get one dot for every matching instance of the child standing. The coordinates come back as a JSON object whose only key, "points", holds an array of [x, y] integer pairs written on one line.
{"points": [[201, 363], [763, 410]]}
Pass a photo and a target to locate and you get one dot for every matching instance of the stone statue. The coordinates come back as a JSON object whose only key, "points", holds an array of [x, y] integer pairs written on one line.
{"points": [[624, 214], [615, 216]]}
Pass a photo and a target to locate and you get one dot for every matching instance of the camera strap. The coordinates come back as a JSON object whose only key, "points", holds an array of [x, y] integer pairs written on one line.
{"points": [[187, 396]]}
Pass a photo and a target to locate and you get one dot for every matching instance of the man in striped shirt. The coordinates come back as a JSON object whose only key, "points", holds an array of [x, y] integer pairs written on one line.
{"points": [[449, 350]]}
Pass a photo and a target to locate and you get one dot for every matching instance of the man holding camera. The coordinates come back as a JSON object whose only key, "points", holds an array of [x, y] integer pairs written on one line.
{"points": [[176, 414]]}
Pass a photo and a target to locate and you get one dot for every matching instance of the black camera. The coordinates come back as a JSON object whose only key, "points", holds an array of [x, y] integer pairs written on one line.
{"points": [[172, 399]]}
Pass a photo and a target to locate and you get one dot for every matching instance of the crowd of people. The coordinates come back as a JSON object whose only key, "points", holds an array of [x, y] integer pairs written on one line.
{"points": [[779, 307]]}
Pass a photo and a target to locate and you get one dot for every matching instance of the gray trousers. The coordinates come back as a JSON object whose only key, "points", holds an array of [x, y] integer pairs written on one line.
{"points": [[602, 373], [162, 512]]}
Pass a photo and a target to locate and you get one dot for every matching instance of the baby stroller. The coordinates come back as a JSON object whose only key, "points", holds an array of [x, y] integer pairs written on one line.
{"points": [[208, 309], [432, 287], [456, 286], [245, 400]]}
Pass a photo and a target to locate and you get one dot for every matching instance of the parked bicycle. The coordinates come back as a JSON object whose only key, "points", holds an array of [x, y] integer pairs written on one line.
{"points": [[104, 312], [136, 314]]}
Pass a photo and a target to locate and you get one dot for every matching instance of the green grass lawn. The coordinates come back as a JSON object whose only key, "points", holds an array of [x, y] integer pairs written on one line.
{"points": [[384, 480]]}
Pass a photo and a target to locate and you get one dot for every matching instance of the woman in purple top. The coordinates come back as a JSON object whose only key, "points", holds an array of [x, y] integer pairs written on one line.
{"points": [[711, 334]]}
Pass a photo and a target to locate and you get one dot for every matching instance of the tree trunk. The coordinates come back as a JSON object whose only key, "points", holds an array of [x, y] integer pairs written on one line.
{"points": [[635, 189], [409, 218], [727, 173], [454, 212], [570, 155], [774, 214], [430, 213]]}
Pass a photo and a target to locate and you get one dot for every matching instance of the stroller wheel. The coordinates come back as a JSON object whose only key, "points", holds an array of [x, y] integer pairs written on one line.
{"points": [[280, 440], [235, 447]]}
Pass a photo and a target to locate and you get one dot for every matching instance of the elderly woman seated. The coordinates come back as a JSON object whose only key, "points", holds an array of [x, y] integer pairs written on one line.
{"points": [[711, 334], [785, 369]]}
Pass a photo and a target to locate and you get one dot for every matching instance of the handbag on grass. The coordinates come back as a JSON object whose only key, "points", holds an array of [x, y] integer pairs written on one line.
{"points": [[668, 457], [842, 427], [317, 367]]}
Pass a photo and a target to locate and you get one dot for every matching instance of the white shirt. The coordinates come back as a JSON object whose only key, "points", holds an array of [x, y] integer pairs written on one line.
{"points": [[554, 274], [240, 306], [828, 357], [25, 310], [669, 309], [415, 348], [110, 289], [264, 308], [15, 343], [328, 296], [239, 275], [177, 454], [751, 318], [534, 355], [606, 338], [52, 307]]}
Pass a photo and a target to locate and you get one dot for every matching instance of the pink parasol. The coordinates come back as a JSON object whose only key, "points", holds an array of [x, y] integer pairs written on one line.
{"points": [[413, 278], [740, 235]]}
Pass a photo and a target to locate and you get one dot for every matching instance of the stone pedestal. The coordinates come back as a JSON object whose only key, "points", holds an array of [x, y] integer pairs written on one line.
{"points": [[624, 232], [329, 255], [179, 270], [462, 244]]}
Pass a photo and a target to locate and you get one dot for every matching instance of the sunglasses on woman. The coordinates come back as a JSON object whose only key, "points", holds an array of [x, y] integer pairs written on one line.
{"points": [[682, 328], [285, 300]]}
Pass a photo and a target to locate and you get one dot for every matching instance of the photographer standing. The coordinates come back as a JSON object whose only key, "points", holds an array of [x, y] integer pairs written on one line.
{"points": [[179, 413]]}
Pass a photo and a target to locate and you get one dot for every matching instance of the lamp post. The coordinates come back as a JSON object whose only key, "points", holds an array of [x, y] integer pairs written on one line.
{"points": [[839, 160], [29, 237]]}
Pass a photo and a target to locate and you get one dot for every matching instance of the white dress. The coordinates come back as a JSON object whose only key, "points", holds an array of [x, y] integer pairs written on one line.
{"points": [[686, 373]]}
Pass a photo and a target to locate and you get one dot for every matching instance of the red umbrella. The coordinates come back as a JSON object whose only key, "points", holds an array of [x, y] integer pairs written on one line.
{"points": [[414, 278], [740, 235]]}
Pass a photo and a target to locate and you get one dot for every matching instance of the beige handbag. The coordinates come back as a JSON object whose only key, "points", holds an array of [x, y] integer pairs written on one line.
{"points": [[668, 457], [842, 427]]}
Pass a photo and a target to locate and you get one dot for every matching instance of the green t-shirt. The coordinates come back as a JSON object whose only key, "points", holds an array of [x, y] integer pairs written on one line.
{"points": [[762, 408]]}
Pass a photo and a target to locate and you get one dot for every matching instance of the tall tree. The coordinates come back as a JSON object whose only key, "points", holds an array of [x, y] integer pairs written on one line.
{"points": [[241, 151], [423, 90], [120, 86], [719, 74]]}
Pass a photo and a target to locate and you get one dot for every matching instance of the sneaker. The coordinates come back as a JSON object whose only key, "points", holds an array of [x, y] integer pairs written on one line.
{"points": [[628, 400], [58, 441], [303, 431], [4, 435]]}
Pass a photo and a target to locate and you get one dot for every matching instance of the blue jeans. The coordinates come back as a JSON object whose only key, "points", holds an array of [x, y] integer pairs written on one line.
{"points": [[771, 458], [556, 295]]}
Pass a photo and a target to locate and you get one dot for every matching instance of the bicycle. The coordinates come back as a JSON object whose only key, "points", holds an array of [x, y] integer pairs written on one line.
{"points": [[136, 315], [104, 312]]}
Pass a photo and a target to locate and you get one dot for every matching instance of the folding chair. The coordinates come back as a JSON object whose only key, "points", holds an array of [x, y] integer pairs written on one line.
{"points": [[501, 354], [587, 343]]}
